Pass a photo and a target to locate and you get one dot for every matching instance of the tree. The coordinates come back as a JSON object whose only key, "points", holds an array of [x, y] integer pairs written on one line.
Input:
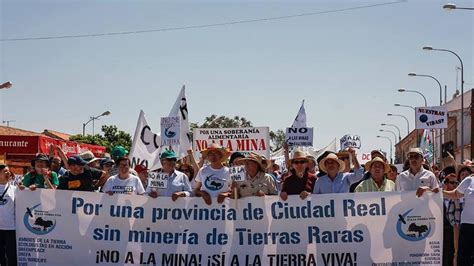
{"points": [[111, 138], [277, 139], [214, 121]]}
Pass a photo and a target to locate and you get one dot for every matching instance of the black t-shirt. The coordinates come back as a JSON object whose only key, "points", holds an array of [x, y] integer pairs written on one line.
{"points": [[294, 185], [81, 182]]}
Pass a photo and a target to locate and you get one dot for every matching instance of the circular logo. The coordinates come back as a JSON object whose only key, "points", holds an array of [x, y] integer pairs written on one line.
{"points": [[423, 118], [413, 228], [213, 184], [37, 221]]}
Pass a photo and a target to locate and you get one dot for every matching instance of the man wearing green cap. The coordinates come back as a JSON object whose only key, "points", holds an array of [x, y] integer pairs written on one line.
{"points": [[168, 182]]}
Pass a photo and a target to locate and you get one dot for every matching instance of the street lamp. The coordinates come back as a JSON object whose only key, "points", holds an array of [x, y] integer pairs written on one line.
{"points": [[395, 126], [93, 118], [402, 105], [394, 135], [412, 74], [417, 92], [391, 144], [430, 48], [6, 85], [450, 7], [406, 119]]}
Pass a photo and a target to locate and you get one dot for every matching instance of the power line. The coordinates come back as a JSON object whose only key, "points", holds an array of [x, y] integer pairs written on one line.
{"points": [[200, 26]]}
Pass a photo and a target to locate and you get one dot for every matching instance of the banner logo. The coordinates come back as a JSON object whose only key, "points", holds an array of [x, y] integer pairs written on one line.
{"points": [[413, 228], [39, 222]]}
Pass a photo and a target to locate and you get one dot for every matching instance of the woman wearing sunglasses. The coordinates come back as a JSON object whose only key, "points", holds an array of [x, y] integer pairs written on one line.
{"points": [[299, 180]]}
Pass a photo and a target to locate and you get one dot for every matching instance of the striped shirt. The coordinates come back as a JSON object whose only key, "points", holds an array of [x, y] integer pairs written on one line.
{"points": [[369, 185]]}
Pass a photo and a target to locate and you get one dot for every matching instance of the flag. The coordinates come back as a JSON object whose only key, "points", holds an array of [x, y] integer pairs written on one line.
{"points": [[426, 145], [300, 119], [180, 108], [145, 145]]}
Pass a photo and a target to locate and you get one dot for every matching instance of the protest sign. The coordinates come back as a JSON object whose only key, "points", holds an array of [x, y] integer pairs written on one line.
{"points": [[350, 141], [431, 117], [83, 228], [237, 173], [302, 136], [170, 131], [157, 180], [248, 139]]}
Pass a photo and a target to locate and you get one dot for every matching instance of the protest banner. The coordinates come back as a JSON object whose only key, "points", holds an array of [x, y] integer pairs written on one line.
{"points": [[431, 117], [350, 141], [170, 130], [302, 136], [84, 228], [249, 139], [145, 145]]}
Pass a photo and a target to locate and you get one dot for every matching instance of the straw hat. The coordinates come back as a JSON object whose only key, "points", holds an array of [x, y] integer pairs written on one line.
{"points": [[216, 147], [333, 157], [299, 154], [386, 167], [254, 158]]}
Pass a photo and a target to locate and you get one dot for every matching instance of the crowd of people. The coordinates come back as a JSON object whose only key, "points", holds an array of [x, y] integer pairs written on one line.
{"points": [[210, 179]]}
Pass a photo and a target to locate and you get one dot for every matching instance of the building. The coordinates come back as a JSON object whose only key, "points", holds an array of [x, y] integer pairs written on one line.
{"points": [[18, 147]]}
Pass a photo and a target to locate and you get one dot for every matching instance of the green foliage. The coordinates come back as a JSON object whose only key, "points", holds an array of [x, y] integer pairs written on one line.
{"points": [[111, 137], [277, 139]]}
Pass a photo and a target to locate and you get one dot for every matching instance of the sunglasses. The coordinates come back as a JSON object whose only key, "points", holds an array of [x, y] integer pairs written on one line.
{"points": [[344, 158], [299, 162], [185, 170], [452, 182], [414, 157]]}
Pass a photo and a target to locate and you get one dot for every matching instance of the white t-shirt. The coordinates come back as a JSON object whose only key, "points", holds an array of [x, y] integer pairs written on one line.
{"points": [[406, 181], [214, 181], [7, 207], [131, 185], [467, 188]]}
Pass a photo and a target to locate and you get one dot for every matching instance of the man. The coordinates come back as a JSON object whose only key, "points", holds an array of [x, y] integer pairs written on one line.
{"points": [[80, 177], [124, 182], [213, 180], [335, 181], [176, 185], [377, 182], [416, 176]]}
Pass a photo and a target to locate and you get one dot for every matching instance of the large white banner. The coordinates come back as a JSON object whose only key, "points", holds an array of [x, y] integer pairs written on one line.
{"points": [[145, 145], [84, 228], [246, 139], [431, 117]]}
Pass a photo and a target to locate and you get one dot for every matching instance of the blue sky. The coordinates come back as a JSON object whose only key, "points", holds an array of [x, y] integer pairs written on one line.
{"points": [[347, 66]]}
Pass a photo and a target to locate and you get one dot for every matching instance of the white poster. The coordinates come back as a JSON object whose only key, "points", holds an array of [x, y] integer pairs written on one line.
{"points": [[237, 173], [302, 136], [170, 131], [157, 180], [85, 228], [431, 117], [350, 141], [248, 139]]}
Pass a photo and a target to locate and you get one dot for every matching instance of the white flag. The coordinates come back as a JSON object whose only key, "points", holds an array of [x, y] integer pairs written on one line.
{"points": [[145, 145], [300, 119], [180, 108]]}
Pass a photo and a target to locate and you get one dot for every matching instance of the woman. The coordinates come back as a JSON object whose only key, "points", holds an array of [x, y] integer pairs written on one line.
{"points": [[123, 182], [257, 182], [188, 170], [7, 218], [463, 172], [40, 176], [452, 218], [169, 182], [465, 190], [298, 181]]}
